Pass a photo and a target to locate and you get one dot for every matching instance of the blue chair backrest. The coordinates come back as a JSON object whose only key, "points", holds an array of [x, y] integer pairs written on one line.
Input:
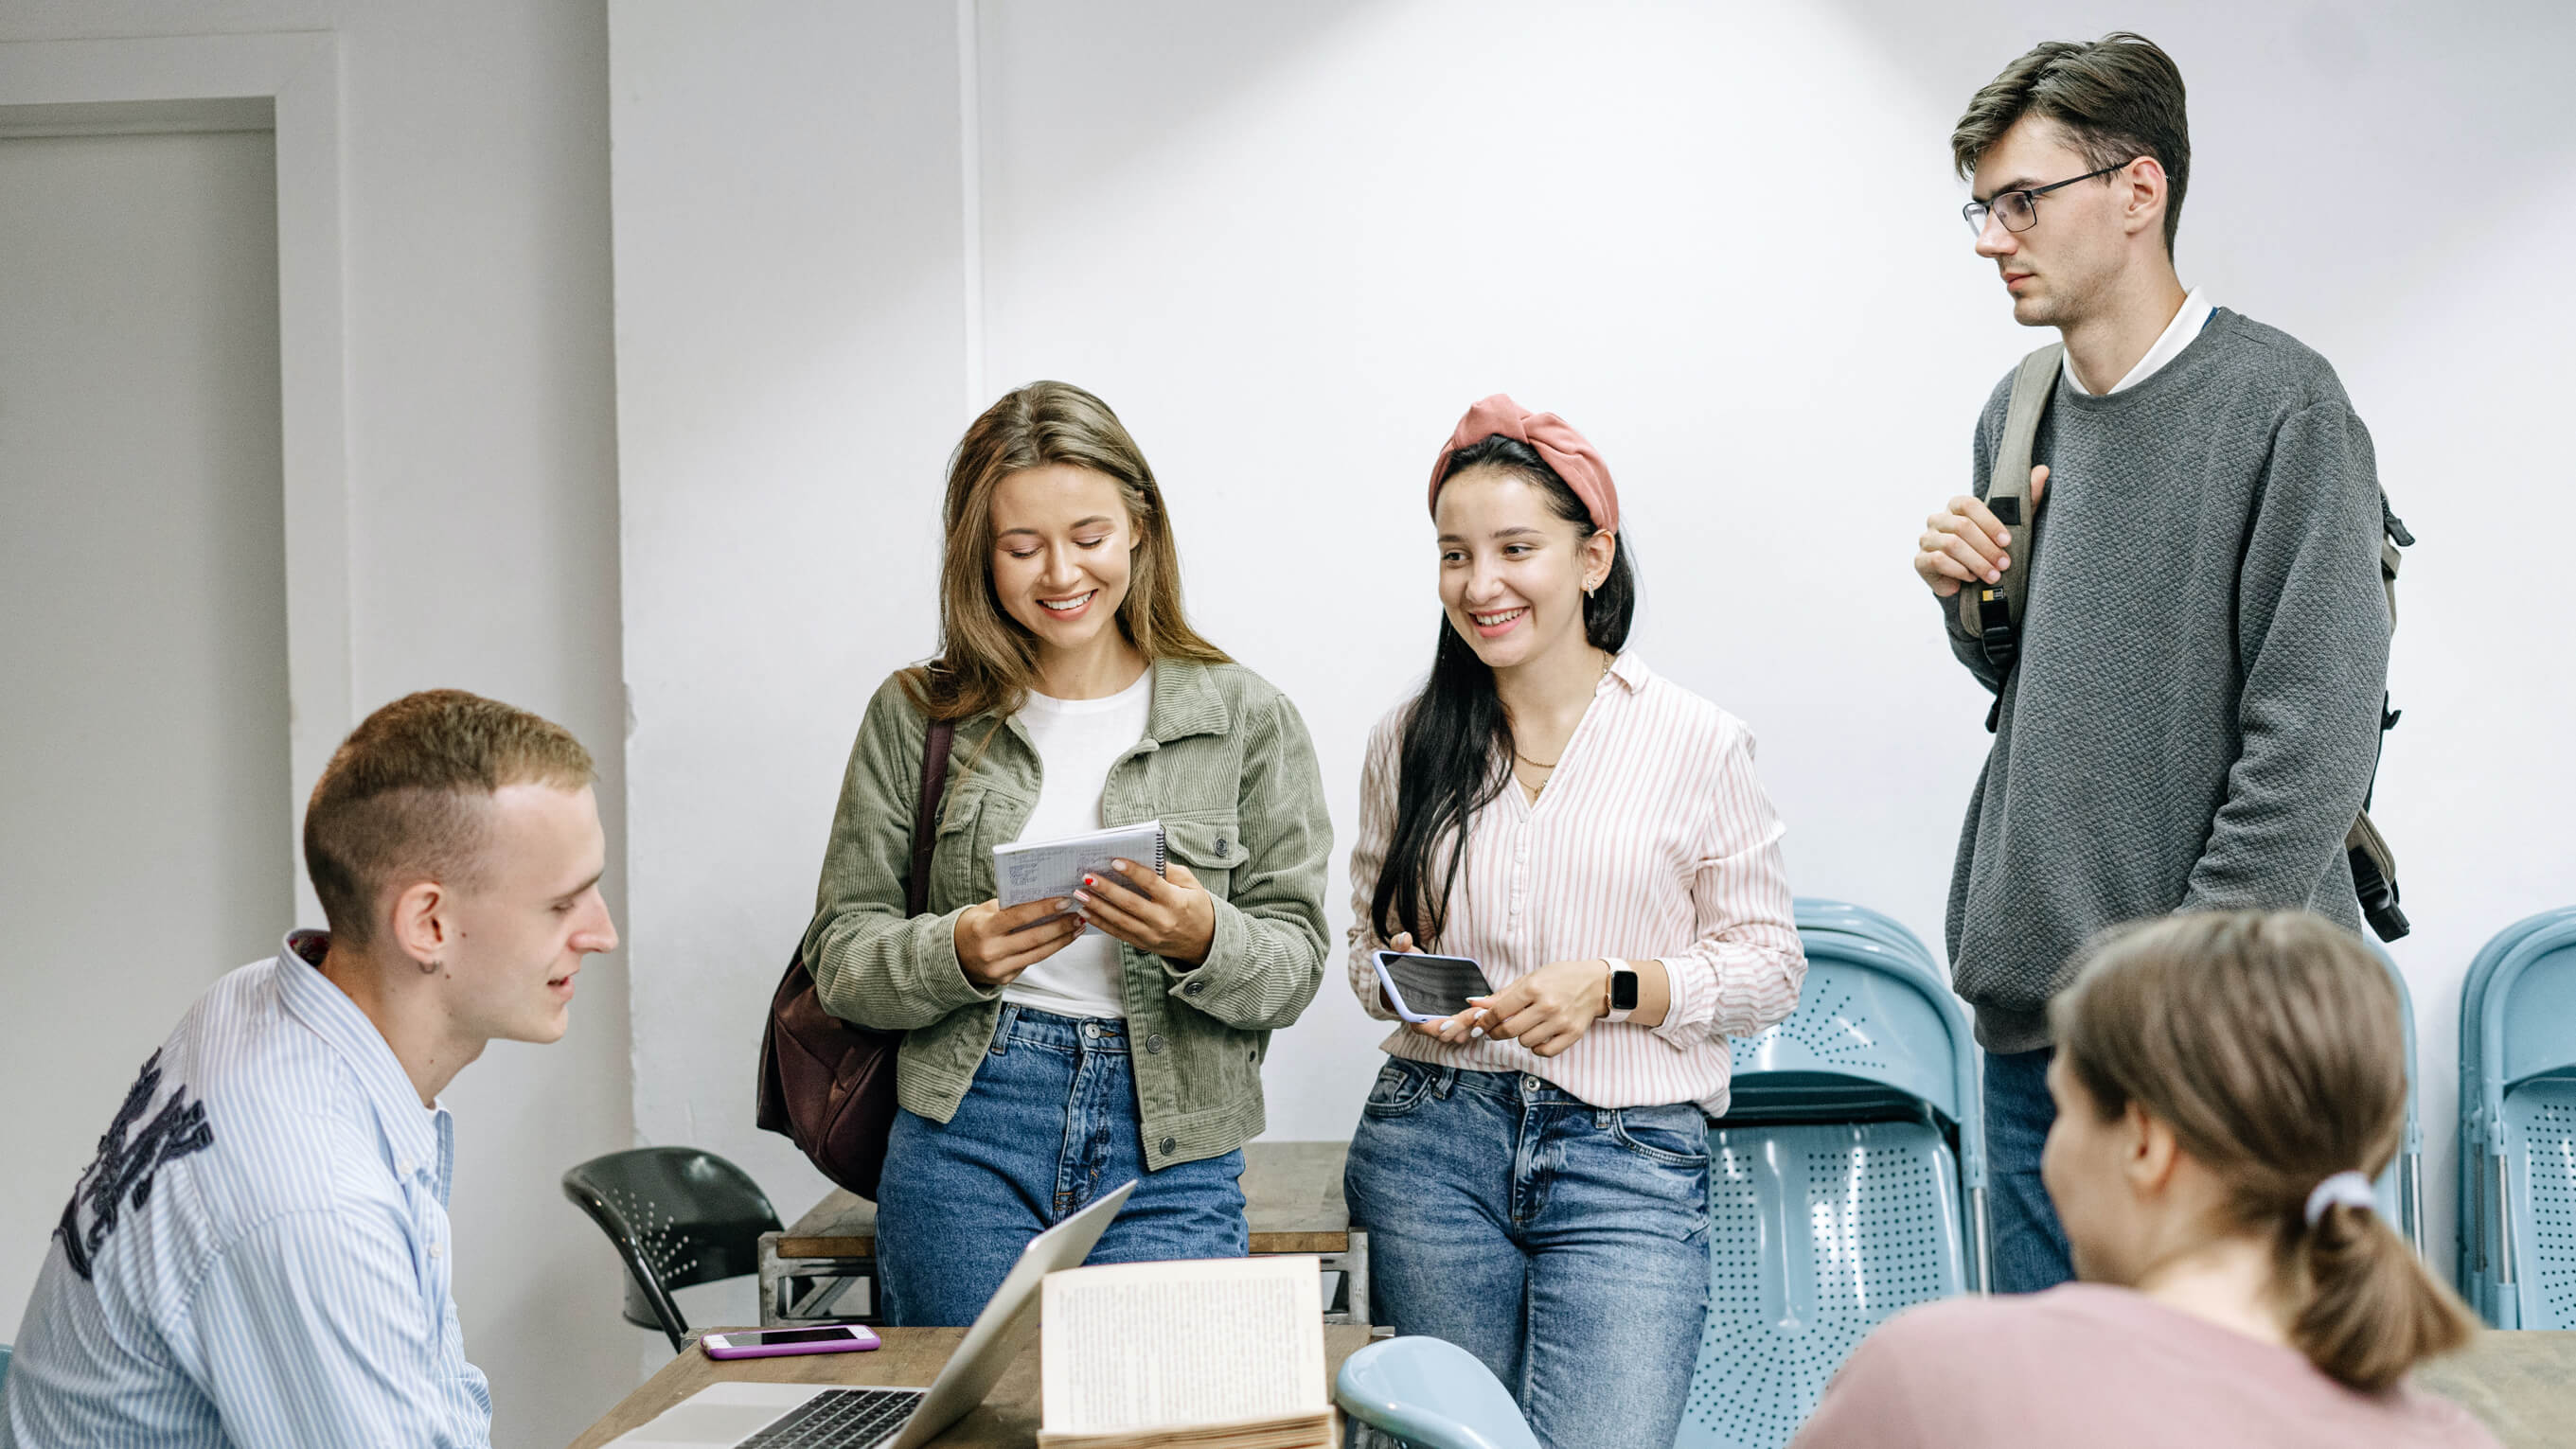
{"points": [[2476, 1180], [4, 1366], [2518, 1127], [2473, 990], [1432, 1394], [1815, 913], [1872, 1025]]}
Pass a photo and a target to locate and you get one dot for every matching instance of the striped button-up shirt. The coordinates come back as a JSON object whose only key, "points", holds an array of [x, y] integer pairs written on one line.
{"points": [[259, 1255], [1652, 839]]}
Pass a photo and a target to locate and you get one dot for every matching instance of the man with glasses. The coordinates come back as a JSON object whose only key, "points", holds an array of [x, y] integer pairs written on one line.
{"points": [[2189, 716]]}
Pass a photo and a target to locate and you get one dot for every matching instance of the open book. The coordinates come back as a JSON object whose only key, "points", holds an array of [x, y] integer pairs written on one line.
{"points": [[1224, 1353]]}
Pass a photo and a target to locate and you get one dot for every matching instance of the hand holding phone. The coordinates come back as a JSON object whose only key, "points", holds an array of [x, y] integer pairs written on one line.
{"points": [[1422, 988], [776, 1342]]}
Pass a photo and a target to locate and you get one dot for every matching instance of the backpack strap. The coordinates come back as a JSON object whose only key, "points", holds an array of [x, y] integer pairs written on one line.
{"points": [[2374, 865], [2392, 536], [1992, 612], [925, 815]]}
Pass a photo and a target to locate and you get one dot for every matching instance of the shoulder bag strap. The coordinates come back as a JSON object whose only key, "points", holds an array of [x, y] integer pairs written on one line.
{"points": [[925, 817], [1992, 612]]}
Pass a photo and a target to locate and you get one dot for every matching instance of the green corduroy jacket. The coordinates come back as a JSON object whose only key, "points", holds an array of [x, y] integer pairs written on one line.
{"points": [[1225, 764]]}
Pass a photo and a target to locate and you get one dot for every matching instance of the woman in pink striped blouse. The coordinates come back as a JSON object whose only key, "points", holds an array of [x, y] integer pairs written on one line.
{"points": [[1534, 1171]]}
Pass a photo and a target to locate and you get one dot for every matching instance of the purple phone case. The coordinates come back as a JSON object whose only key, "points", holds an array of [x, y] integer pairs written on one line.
{"points": [[864, 1340]]}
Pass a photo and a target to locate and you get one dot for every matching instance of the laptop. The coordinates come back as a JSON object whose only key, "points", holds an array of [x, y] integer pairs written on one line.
{"points": [[819, 1416]]}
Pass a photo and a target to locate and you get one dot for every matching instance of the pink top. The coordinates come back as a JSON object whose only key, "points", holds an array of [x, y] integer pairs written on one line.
{"points": [[1652, 840], [2105, 1368]]}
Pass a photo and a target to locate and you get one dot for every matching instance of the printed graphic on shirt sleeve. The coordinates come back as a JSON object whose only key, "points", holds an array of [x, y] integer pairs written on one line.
{"points": [[122, 1174]]}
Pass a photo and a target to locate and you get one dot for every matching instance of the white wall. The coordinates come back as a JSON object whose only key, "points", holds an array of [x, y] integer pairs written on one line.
{"points": [[484, 516], [1289, 244], [790, 366], [146, 782]]}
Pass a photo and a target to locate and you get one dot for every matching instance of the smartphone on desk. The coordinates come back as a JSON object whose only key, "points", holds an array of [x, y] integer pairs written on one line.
{"points": [[772, 1342], [1428, 988]]}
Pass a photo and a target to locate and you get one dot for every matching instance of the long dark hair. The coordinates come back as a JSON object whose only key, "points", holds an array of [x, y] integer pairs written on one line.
{"points": [[1457, 747]]}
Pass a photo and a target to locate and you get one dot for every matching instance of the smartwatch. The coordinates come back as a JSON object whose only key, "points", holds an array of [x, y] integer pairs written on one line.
{"points": [[1623, 993]]}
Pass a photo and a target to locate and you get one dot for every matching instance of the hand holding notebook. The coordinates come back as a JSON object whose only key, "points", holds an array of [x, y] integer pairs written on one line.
{"points": [[1037, 870]]}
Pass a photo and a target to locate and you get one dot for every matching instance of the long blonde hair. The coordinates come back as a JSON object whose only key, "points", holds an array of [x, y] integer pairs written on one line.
{"points": [[987, 659], [2271, 1044]]}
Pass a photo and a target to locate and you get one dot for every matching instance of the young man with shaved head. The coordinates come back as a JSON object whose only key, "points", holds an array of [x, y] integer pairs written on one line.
{"points": [[2191, 718], [260, 1253]]}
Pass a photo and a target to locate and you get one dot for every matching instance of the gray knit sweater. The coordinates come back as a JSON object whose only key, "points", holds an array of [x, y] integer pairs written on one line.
{"points": [[2194, 717]]}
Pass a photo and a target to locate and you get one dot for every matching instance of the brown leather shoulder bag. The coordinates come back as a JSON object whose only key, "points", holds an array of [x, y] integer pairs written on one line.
{"points": [[826, 1083]]}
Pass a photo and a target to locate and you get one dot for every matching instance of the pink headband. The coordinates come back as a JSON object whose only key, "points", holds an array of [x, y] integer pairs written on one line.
{"points": [[1574, 459]]}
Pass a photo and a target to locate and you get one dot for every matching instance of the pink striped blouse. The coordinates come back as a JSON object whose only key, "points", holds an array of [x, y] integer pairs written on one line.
{"points": [[1651, 839]]}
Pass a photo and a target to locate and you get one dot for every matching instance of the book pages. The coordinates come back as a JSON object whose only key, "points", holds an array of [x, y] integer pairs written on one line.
{"points": [[1222, 1352]]}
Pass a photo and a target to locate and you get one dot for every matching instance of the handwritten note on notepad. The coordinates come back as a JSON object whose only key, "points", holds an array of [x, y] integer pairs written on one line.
{"points": [[1039, 869]]}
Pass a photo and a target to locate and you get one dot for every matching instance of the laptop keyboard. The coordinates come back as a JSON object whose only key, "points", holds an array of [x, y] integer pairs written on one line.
{"points": [[840, 1419]]}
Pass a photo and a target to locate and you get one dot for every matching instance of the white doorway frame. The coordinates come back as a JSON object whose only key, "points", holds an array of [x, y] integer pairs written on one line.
{"points": [[225, 82]]}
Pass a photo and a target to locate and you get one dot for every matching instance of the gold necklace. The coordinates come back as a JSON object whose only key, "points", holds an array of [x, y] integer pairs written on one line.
{"points": [[1550, 765]]}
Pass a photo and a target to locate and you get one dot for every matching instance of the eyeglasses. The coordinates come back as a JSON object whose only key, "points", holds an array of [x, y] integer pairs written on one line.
{"points": [[2019, 210]]}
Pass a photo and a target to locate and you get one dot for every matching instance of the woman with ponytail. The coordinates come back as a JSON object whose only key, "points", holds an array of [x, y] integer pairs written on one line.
{"points": [[2227, 1084], [1534, 1170]]}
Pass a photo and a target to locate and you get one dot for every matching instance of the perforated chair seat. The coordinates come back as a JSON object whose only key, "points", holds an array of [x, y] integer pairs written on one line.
{"points": [[1818, 1234], [2540, 1130]]}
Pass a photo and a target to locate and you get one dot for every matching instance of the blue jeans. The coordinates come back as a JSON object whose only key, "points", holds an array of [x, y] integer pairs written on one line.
{"points": [[1049, 1125], [2030, 1246], [1566, 1245]]}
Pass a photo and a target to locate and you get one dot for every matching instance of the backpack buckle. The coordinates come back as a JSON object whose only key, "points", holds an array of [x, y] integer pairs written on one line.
{"points": [[1995, 631]]}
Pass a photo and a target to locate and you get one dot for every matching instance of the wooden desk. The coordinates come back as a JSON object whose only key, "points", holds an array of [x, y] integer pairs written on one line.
{"points": [[1292, 1200], [2520, 1383], [911, 1358]]}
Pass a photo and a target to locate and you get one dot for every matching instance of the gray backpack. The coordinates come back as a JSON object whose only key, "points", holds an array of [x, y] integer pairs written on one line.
{"points": [[1992, 612]]}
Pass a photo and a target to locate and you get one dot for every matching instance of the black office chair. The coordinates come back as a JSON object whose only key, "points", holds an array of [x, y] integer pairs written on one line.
{"points": [[679, 1216]]}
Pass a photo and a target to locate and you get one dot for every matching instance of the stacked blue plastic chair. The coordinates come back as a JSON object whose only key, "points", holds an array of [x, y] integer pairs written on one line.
{"points": [[2401, 1185], [1846, 1181], [2518, 1126]]}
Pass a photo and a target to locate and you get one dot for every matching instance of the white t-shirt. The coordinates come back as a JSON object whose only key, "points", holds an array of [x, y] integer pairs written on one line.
{"points": [[2187, 321], [1078, 741]]}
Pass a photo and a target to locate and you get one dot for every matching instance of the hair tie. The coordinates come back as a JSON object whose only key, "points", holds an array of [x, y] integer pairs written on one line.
{"points": [[2349, 1189], [1552, 438]]}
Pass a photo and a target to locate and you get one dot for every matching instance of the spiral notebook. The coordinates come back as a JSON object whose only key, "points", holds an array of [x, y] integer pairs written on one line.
{"points": [[1038, 870]]}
